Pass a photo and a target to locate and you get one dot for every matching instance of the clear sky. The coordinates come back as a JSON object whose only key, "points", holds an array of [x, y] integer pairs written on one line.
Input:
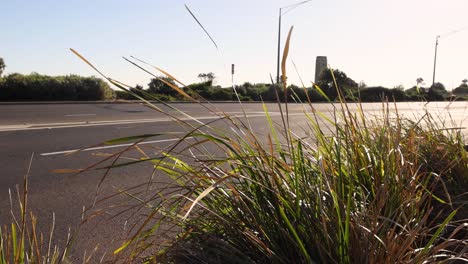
{"points": [[380, 42]]}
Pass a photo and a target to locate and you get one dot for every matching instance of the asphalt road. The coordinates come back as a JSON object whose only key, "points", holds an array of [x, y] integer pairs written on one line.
{"points": [[50, 131]]}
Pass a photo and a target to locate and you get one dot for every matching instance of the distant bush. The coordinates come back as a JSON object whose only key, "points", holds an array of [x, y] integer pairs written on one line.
{"points": [[461, 90], [377, 94], [328, 82], [416, 94], [162, 85], [252, 92], [266, 92], [123, 95], [437, 92], [203, 89], [37, 87]]}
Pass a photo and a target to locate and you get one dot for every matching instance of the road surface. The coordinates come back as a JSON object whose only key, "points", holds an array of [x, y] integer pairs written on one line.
{"points": [[50, 131]]}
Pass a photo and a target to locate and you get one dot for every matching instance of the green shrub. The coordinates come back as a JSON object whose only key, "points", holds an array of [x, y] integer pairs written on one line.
{"points": [[203, 89], [437, 92], [252, 92], [222, 94], [378, 94], [36, 87], [162, 86], [461, 90]]}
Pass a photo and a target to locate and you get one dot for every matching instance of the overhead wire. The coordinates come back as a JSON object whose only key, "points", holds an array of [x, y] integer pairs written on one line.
{"points": [[293, 6], [453, 32]]}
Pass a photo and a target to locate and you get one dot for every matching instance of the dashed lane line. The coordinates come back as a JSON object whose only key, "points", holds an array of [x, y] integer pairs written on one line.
{"points": [[110, 147]]}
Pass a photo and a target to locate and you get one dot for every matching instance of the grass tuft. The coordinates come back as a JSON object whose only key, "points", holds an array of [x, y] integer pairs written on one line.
{"points": [[22, 242]]}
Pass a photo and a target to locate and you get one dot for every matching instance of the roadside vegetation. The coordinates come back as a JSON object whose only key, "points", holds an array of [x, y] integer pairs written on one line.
{"points": [[346, 188]]}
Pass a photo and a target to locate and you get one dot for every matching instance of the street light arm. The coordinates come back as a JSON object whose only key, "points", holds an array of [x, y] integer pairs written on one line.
{"points": [[293, 6], [296, 4]]}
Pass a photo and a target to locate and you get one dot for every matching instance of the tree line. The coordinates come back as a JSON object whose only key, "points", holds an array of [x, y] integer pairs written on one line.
{"points": [[37, 87], [331, 85]]}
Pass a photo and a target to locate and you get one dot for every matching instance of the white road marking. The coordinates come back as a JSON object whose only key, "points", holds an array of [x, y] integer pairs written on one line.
{"points": [[110, 147], [14, 127], [116, 122], [132, 121], [80, 115]]}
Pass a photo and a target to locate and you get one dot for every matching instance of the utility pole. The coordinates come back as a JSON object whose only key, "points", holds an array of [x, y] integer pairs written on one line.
{"points": [[435, 60]]}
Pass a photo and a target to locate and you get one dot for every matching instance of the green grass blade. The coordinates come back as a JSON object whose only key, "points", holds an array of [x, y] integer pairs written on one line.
{"points": [[296, 236], [438, 232]]}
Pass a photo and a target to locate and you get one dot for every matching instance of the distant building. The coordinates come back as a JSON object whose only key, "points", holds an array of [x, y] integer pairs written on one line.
{"points": [[321, 64]]}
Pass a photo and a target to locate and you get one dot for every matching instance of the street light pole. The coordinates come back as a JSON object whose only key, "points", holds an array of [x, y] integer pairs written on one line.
{"points": [[435, 60], [279, 47], [289, 7]]}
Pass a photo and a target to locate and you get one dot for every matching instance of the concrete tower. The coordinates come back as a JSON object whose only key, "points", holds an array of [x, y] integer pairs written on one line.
{"points": [[320, 65]]}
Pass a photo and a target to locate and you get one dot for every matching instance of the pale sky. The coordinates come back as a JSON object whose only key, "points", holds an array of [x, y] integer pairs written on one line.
{"points": [[380, 42]]}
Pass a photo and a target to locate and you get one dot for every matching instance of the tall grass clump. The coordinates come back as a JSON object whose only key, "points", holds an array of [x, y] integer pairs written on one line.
{"points": [[371, 191], [358, 189], [21, 241]]}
